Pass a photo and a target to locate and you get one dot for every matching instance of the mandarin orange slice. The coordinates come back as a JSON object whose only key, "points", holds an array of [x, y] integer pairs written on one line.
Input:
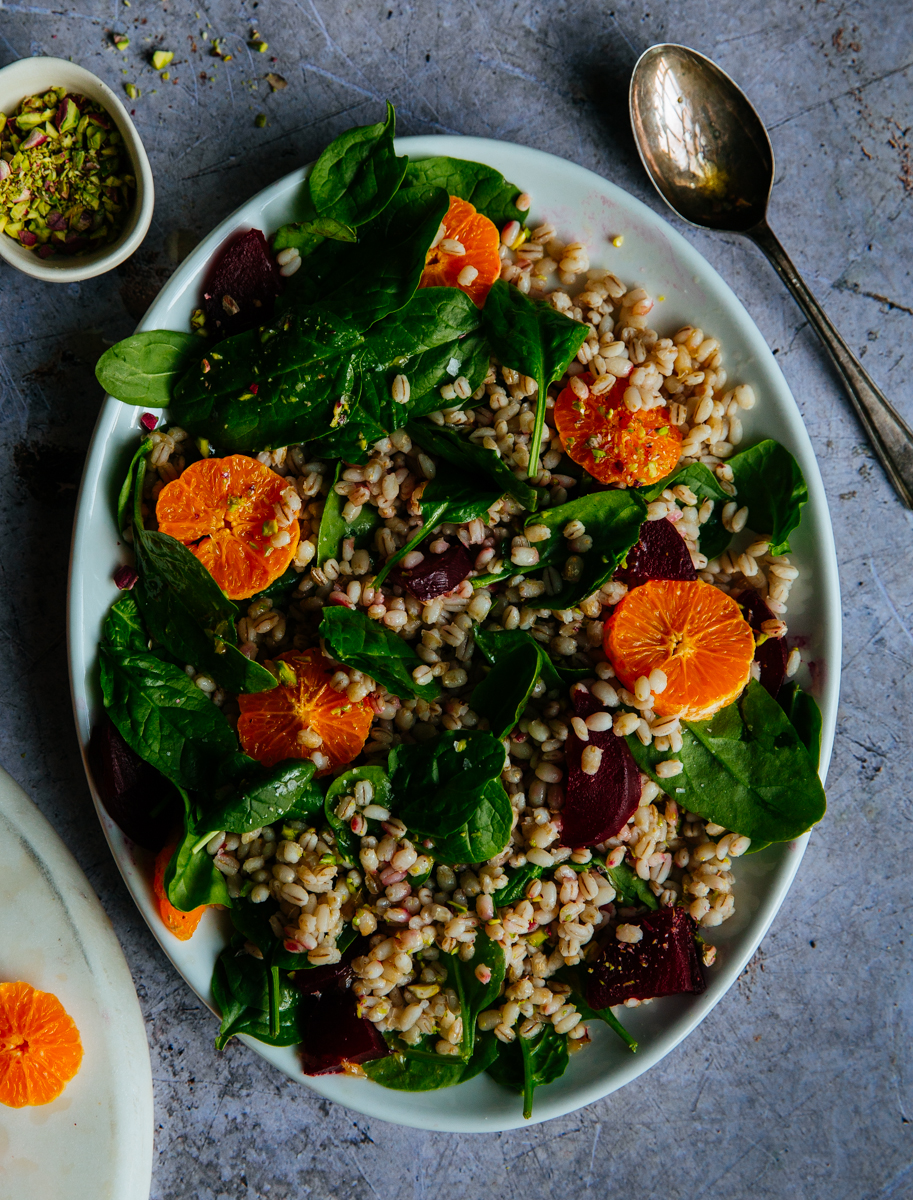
{"points": [[182, 924], [615, 445], [694, 633], [474, 269], [40, 1049], [224, 510], [272, 721]]}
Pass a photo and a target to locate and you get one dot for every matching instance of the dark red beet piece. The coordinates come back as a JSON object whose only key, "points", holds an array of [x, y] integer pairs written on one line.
{"points": [[143, 803], [334, 1033], [245, 278], [771, 655], [663, 963], [437, 575], [660, 553], [597, 806]]}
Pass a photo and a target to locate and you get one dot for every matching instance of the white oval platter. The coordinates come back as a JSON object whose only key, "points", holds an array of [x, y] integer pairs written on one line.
{"points": [[584, 207]]}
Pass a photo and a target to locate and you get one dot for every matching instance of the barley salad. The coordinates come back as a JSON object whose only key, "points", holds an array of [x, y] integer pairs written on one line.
{"points": [[524, 841]]}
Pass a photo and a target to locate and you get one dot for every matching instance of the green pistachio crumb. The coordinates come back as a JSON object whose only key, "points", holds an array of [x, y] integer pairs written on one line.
{"points": [[260, 120], [161, 58], [132, 90]]}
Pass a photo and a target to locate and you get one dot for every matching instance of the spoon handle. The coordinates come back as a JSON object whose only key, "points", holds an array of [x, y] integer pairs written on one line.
{"points": [[889, 434]]}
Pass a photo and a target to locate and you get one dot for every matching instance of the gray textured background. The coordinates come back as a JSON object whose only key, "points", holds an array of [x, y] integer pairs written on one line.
{"points": [[798, 1084]]}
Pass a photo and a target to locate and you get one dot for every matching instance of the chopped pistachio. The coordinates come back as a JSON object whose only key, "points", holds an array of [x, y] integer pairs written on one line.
{"points": [[161, 58], [132, 90], [166, 75], [276, 82], [121, 41], [262, 47], [260, 120]]}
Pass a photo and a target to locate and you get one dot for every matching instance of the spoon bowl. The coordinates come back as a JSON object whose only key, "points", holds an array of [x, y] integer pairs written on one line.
{"points": [[708, 155]]}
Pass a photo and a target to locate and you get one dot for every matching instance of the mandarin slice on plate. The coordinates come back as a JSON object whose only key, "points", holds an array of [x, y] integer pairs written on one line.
{"points": [[614, 445], [694, 633], [224, 510], [445, 264], [182, 924], [40, 1049], [280, 724]]}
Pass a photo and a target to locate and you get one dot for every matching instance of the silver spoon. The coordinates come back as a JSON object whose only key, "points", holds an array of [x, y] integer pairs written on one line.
{"points": [[709, 157]]}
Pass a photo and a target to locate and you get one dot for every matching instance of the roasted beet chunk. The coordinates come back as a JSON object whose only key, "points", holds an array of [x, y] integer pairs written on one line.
{"points": [[334, 1034], [772, 654], [597, 806], [141, 801], [316, 980], [242, 286], [660, 553], [663, 963], [437, 575]]}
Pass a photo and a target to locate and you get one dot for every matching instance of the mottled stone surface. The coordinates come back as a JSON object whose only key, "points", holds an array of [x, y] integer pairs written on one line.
{"points": [[799, 1083]]}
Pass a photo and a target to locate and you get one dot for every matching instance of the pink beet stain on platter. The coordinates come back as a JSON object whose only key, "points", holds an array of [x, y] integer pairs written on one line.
{"points": [[241, 288], [772, 654], [663, 963], [660, 553], [597, 806]]}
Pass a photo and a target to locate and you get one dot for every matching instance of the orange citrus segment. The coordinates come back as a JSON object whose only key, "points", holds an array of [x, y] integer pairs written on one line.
{"points": [[694, 633], [40, 1050], [182, 924], [272, 721], [613, 444], [224, 510], [479, 237]]}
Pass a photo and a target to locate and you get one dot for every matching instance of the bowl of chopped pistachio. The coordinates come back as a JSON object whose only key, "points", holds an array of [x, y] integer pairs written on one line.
{"points": [[76, 192]]}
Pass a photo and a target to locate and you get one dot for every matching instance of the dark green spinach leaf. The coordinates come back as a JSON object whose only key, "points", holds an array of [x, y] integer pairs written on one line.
{"points": [[485, 834], [602, 1014], [531, 337], [438, 784], [496, 644], [191, 877], [630, 889], [528, 1063], [483, 187], [421, 1069], [354, 639], [802, 709], [517, 883], [474, 459], [745, 769], [143, 368], [333, 529], [343, 785], [769, 480], [124, 629], [271, 795], [504, 693]]}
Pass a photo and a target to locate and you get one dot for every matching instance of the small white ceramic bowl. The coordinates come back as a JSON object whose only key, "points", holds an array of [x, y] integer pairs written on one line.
{"points": [[31, 76]]}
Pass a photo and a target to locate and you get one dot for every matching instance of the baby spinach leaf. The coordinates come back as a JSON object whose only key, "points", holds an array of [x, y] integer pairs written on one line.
{"points": [[333, 529], [291, 407], [344, 785], [124, 629], [504, 693], [745, 769], [531, 337], [613, 520], [495, 644], [769, 480], [142, 369], [802, 709], [255, 998], [517, 883], [435, 316], [451, 498], [421, 1069], [473, 458], [124, 499], [475, 996], [398, 238], [248, 362], [630, 889], [438, 783], [485, 834], [528, 1063], [164, 717], [600, 1014], [267, 799], [191, 877], [354, 639], [485, 188], [714, 536], [352, 181]]}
